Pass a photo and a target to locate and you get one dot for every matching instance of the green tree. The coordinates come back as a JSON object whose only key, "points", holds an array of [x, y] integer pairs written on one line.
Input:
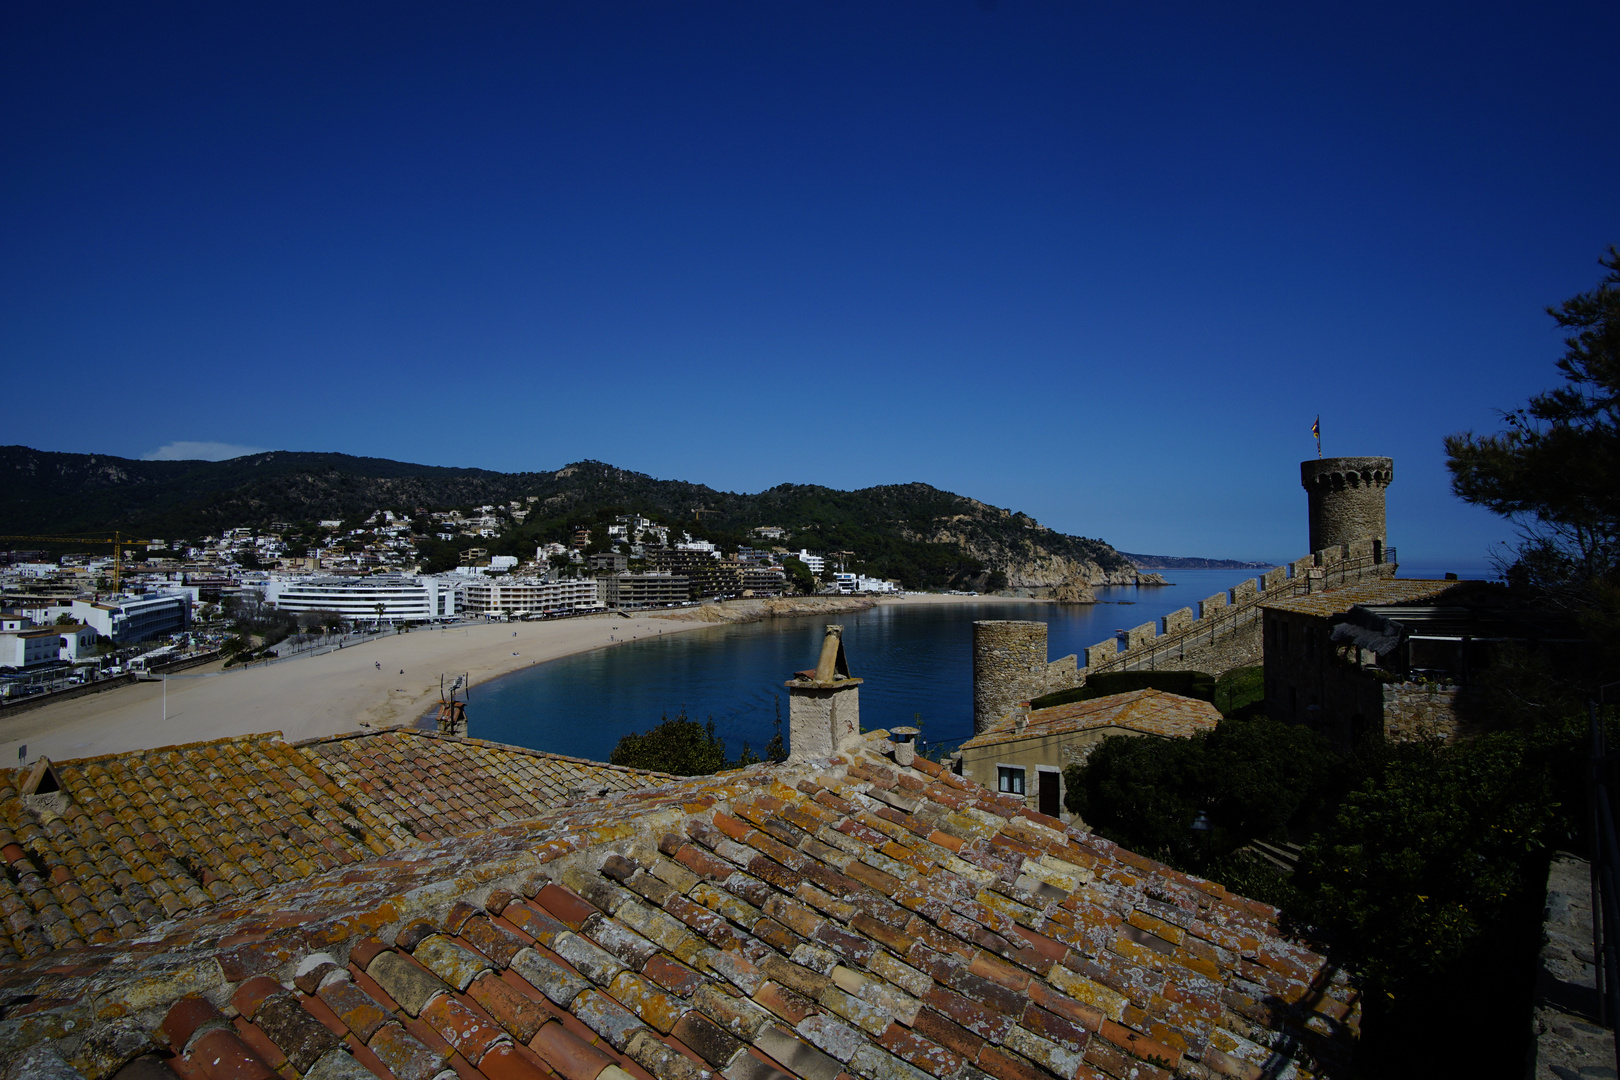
{"points": [[1425, 853], [799, 574], [1555, 471], [1254, 779], [680, 746]]}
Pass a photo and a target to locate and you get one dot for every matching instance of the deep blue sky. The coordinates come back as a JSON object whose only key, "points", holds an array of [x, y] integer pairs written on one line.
{"points": [[1101, 266]]}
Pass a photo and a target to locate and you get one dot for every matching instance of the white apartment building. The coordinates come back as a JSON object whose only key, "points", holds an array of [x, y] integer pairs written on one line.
{"points": [[26, 647], [815, 562], [860, 583], [76, 641], [390, 598], [136, 618], [532, 596]]}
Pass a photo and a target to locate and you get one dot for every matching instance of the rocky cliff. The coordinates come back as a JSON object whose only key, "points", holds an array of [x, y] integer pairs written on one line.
{"points": [[1030, 557]]}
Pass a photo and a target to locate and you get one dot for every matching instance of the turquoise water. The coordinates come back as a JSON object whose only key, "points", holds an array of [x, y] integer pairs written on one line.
{"points": [[915, 660]]}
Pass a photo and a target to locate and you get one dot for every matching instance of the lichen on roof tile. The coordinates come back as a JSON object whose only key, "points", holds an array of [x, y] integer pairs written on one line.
{"points": [[804, 921]]}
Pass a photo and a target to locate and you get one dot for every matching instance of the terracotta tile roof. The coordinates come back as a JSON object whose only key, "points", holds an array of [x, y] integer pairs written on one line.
{"points": [[131, 840], [1153, 712], [838, 919], [1386, 591]]}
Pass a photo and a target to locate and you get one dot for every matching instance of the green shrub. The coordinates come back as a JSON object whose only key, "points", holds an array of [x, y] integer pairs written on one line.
{"points": [[680, 746]]}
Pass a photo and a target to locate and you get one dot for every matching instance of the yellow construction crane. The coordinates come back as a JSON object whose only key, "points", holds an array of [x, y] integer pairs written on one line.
{"points": [[118, 545]]}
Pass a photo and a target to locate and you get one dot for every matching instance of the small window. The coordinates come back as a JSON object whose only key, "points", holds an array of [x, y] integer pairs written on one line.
{"points": [[1011, 780]]}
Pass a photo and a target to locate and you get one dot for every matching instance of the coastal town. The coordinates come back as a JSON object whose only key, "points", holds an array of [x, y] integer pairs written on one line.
{"points": [[805, 541], [259, 592]]}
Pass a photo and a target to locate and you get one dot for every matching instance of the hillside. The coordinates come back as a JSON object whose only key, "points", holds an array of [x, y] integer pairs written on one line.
{"points": [[922, 535]]}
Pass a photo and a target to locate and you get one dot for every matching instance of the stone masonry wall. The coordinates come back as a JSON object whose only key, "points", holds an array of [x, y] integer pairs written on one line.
{"points": [[1346, 498], [1420, 710], [1009, 666]]}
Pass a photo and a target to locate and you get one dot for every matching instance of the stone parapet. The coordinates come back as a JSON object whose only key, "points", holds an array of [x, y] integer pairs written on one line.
{"points": [[1178, 620]]}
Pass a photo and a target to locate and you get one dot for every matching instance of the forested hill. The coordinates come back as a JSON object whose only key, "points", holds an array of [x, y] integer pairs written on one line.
{"points": [[941, 537]]}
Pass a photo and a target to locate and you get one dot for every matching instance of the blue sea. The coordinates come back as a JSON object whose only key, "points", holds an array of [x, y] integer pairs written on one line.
{"points": [[916, 662]]}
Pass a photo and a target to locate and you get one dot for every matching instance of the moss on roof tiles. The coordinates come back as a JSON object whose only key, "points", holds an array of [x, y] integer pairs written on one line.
{"points": [[156, 834], [851, 909], [1151, 712]]}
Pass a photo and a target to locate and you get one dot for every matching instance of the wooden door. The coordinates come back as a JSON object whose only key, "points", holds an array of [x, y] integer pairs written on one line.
{"points": [[1048, 792]]}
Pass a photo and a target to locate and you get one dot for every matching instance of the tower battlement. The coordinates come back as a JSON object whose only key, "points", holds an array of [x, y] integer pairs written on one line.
{"points": [[1346, 497]]}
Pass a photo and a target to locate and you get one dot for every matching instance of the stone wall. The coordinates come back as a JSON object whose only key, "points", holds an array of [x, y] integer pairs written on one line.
{"points": [[1346, 498], [1226, 633], [1009, 666], [1009, 656], [1420, 710], [1179, 620]]}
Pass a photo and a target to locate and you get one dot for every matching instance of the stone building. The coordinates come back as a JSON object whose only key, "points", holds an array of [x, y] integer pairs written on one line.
{"points": [[1010, 668], [1395, 659], [1345, 505], [1025, 752]]}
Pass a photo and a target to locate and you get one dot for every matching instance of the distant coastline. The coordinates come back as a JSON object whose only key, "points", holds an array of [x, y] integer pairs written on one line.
{"points": [[1191, 562]]}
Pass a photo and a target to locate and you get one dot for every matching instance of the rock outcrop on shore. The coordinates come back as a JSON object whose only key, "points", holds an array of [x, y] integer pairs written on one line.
{"points": [[1073, 592]]}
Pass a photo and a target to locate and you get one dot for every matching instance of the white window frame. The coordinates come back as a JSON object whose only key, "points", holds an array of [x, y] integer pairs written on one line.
{"points": [[1023, 779]]}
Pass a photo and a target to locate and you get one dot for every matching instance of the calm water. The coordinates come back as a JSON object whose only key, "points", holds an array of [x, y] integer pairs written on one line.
{"points": [[915, 660]]}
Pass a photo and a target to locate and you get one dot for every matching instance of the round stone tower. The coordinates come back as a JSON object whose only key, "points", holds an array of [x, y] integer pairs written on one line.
{"points": [[1346, 498], [1009, 666]]}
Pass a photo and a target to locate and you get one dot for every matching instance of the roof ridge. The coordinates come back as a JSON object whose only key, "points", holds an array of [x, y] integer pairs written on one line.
{"points": [[223, 740], [549, 755]]}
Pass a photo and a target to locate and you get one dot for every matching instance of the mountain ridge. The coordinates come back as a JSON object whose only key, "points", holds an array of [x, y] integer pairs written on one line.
{"points": [[925, 536]]}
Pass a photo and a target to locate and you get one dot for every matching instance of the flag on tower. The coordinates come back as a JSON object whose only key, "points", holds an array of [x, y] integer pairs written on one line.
{"points": [[1316, 431]]}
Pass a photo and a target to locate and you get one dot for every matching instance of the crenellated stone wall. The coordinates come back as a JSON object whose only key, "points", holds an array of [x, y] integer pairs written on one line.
{"points": [[1009, 657]]}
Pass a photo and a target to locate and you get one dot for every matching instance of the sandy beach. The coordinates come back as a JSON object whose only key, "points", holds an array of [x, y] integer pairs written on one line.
{"points": [[392, 680]]}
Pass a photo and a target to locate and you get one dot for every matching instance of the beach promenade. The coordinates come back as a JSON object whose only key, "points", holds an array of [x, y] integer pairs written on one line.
{"points": [[388, 681]]}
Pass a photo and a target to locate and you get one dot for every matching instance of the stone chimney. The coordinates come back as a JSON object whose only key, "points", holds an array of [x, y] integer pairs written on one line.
{"points": [[824, 709]]}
